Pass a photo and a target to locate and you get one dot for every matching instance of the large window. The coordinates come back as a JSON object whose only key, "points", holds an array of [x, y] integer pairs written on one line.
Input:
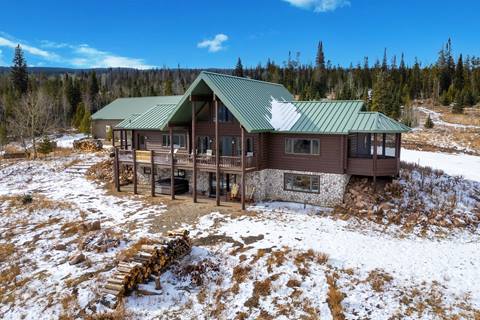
{"points": [[304, 183], [362, 145], [178, 140], [224, 115], [204, 143], [302, 146]]}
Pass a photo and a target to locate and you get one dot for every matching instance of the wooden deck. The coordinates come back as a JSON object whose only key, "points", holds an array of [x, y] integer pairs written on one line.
{"points": [[185, 160]]}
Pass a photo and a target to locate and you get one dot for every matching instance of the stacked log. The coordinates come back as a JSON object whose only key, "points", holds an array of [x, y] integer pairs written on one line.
{"points": [[87, 145], [149, 261]]}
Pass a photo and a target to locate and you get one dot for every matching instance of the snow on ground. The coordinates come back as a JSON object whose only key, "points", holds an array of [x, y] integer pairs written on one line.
{"points": [[437, 120], [453, 164], [66, 140], [43, 235]]}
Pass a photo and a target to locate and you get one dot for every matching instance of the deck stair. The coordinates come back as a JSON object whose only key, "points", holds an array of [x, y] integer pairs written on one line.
{"points": [[80, 169]]}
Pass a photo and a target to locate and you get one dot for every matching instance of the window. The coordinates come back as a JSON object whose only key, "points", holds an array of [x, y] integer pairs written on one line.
{"points": [[390, 144], [178, 140], [302, 146], [249, 146], [224, 115], [303, 183], [204, 143], [360, 145]]}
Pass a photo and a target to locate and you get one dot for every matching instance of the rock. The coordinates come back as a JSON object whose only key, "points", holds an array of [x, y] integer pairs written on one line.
{"points": [[60, 246], [76, 258]]}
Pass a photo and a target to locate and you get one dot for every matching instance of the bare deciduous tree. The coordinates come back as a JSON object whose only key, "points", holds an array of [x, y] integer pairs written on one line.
{"points": [[32, 118]]}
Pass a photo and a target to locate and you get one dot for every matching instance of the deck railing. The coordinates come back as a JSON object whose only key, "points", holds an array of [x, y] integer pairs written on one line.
{"points": [[186, 159]]}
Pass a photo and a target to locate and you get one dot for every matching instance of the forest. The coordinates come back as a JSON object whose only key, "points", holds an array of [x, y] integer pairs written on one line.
{"points": [[34, 102]]}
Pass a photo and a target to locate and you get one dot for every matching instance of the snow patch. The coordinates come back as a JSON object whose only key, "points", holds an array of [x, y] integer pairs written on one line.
{"points": [[284, 115]]}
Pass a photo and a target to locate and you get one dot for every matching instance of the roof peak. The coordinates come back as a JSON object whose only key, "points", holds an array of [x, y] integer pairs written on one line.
{"points": [[240, 78]]}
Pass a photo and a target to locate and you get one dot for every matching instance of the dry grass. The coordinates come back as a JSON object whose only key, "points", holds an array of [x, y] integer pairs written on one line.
{"points": [[241, 273], [293, 283], [260, 254], [260, 289], [335, 298], [118, 314], [378, 279], [6, 250]]}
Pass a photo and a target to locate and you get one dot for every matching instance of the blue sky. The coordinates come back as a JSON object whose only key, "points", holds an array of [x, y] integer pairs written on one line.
{"points": [[143, 34]]}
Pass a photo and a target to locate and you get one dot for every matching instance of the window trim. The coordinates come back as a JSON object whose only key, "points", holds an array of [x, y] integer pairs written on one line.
{"points": [[302, 154], [174, 134], [299, 174]]}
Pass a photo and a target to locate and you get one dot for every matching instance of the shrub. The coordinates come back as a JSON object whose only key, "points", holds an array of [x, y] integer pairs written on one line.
{"points": [[46, 146], [26, 199], [428, 123]]}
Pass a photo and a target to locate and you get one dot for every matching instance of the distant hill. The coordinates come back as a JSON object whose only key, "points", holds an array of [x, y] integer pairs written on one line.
{"points": [[59, 70]]}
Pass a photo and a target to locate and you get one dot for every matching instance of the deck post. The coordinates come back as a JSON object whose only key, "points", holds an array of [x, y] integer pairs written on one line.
{"points": [[398, 143], [217, 154], [116, 168], [152, 171], [134, 156], [384, 137], [242, 130], [374, 160], [172, 165], [113, 138], [194, 153]]}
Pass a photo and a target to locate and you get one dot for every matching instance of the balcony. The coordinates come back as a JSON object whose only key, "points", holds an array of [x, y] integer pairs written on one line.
{"points": [[184, 160]]}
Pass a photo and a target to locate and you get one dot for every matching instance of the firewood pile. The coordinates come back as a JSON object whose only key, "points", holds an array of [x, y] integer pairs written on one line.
{"points": [[87, 145], [102, 171], [145, 265]]}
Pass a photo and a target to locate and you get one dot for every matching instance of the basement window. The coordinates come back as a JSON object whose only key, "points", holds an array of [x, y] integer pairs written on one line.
{"points": [[302, 183], [302, 146]]}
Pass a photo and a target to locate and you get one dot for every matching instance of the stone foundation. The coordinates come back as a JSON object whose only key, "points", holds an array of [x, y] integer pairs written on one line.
{"points": [[268, 184]]}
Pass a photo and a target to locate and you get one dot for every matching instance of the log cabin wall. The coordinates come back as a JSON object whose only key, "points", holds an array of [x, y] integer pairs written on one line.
{"points": [[329, 160]]}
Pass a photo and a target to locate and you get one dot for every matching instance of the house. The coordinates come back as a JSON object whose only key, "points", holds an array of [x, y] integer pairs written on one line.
{"points": [[253, 141], [112, 114]]}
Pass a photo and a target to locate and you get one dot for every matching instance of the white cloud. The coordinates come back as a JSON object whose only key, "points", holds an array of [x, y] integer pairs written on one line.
{"points": [[4, 42], [2, 63], [319, 5], [89, 57], [215, 44], [73, 55]]}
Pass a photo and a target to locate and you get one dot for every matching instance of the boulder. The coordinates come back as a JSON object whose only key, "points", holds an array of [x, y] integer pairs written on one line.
{"points": [[76, 258]]}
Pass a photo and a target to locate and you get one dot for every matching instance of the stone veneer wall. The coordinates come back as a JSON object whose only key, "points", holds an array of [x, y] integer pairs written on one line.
{"points": [[269, 185]]}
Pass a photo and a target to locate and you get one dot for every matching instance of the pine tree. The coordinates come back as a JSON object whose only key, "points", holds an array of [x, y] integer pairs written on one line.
{"points": [[85, 124], [320, 59], [45, 146], [459, 80], [382, 95], [238, 69], [168, 88], [428, 123], [384, 61], [77, 119], [18, 73]]}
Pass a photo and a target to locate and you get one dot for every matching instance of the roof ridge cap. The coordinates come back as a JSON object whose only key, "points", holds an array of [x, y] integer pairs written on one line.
{"points": [[242, 78]]}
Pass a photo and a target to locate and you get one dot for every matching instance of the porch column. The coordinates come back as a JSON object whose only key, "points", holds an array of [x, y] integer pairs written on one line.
{"points": [[116, 170], [242, 130], [374, 160], [194, 153], [113, 138], [172, 165], [384, 137], [217, 154], [398, 143], [134, 156], [152, 171]]}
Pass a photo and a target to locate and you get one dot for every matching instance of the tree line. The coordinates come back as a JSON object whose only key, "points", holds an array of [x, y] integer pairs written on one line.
{"points": [[63, 100]]}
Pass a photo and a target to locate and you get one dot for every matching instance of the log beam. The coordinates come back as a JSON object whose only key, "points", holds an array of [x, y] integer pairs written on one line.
{"points": [[172, 166], [217, 154], [194, 153]]}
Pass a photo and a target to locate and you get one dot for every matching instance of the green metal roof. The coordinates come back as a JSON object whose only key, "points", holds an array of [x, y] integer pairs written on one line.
{"points": [[128, 120], [376, 122], [153, 119], [247, 99], [122, 108], [266, 107], [325, 116]]}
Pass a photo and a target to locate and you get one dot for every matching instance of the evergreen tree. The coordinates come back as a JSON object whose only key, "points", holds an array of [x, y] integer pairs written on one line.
{"points": [[320, 59], [384, 61], [459, 80], [18, 73], [428, 123], [77, 119], [238, 69], [381, 98], [168, 89], [45, 146], [85, 124]]}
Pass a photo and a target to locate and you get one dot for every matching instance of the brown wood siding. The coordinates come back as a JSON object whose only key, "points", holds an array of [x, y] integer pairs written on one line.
{"points": [[329, 160], [154, 140], [364, 166]]}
